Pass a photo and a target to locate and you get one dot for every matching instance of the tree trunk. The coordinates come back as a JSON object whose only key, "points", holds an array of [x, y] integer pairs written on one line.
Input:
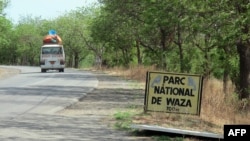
{"points": [[179, 44], [244, 83], [225, 81], [70, 61], [164, 49], [226, 73], [125, 56], [76, 59], [139, 59], [207, 65]]}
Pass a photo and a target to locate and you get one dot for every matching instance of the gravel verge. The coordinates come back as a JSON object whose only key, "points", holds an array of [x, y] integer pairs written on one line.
{"points": [[113, 94]]}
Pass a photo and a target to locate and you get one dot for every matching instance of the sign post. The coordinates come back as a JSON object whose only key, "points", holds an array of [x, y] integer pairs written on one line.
{"points": [[173, 93]]}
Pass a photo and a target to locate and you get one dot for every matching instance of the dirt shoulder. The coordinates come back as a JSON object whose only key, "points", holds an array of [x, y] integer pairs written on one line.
{"points": [[5, 72], [113, 95]]}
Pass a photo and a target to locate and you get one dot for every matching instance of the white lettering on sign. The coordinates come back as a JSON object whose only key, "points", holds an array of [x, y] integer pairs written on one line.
{"points": [[235, 132]]}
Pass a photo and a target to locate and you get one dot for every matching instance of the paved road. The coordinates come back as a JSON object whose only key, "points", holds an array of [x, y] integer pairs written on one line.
{"points": [[43, 93], [30, 101]]}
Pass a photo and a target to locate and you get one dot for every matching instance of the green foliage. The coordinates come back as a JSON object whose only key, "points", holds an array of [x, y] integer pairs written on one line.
{"points": [[88, 61], [167, 138], [28, 41], [3, 5], [199, 37], [235, 72], [122, 115], [6, 41], [124, 120], [75, 32], [167, 32]]}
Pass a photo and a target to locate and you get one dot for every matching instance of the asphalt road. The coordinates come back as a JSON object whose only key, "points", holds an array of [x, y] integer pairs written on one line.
{"points": [[29, 100]]}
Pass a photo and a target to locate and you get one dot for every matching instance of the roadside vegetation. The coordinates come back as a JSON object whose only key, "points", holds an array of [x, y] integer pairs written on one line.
{"points": [[217, 109], [129, 38]]}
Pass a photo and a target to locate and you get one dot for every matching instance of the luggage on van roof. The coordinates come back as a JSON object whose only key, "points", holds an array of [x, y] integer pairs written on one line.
{"points": [[52, 38]]}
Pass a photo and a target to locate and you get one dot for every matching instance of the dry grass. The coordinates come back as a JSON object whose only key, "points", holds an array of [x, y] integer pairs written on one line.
{"points": [[217, 108], [2, 72], [133, 72], [220, 109]]}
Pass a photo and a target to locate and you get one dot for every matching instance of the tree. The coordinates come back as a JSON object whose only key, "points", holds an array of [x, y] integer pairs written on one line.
{"points": [[5, 36], [29, 40], [3, 5], [242, 13], [74, 36], [5, 41]]}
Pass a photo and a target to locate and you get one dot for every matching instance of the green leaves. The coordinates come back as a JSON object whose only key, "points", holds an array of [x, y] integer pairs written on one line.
{"points": [[180, 36]]}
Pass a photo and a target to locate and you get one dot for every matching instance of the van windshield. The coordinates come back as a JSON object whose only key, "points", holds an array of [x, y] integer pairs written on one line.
{"points": [[51, 50]]}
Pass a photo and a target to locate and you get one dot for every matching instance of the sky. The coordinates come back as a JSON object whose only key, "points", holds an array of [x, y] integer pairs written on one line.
{"points": [[47, 9]]}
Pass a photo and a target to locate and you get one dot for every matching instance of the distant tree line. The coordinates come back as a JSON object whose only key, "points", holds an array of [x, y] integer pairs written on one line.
{"points": [[203, 37]]}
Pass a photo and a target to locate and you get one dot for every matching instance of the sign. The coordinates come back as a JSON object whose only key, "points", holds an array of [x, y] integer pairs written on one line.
{"points": [[173, 93]]}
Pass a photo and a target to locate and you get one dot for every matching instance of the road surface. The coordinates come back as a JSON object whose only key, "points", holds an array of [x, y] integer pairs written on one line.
{"points": [[32, 106], [29, 99]]}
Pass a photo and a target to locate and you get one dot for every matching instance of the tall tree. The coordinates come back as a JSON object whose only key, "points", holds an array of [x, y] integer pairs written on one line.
{"points": [[5, 40], [6, 34], [242, 13], [29, 40], [72, 27]]}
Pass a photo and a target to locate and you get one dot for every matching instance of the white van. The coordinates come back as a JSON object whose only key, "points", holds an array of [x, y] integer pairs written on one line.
{"points": [[52, 57]]}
